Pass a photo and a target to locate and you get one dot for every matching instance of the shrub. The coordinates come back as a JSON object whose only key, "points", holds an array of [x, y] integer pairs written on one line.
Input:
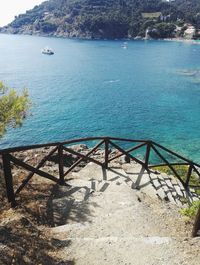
{"points": [[192, 210]]}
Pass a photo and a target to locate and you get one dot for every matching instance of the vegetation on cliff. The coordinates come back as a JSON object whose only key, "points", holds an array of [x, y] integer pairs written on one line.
{"points": [[108, 19]]}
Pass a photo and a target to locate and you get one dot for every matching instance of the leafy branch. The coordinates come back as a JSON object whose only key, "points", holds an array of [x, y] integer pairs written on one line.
{"points": [[13, 107]]}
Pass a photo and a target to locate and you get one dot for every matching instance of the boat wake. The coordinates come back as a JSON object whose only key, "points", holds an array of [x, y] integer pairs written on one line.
{"points": [[192, 75], [112, 81]]}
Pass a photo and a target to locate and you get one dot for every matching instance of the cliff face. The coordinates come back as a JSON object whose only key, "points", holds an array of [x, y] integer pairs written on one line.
{"points": [[107, 19]]}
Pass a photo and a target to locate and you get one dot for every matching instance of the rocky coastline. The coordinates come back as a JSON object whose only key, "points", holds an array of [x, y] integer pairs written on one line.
{"points": [[76, 34]]}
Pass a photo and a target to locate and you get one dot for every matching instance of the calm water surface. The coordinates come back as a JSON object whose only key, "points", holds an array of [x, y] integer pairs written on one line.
{"points": [[89, 88]]}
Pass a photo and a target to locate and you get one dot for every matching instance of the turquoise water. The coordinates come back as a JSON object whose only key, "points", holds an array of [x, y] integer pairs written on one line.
{"points": [[90, 88]]}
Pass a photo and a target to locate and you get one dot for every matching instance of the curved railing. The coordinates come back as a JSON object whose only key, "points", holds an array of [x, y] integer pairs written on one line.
{"points": [[150, 149]]}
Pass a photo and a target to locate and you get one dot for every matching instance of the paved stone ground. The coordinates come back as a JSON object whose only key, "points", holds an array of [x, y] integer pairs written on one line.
{"points": [[115, 216]]}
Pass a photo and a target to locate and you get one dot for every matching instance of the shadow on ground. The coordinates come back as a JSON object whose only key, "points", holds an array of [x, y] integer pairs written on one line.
{"points": [[21, 242], [57, 205]]}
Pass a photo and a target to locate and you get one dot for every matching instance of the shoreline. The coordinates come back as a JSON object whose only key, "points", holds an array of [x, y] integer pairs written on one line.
{"points": [[189, 41]]}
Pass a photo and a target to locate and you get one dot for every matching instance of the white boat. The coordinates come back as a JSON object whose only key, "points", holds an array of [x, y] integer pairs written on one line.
{"points": [[48, 51], [124, 45]]}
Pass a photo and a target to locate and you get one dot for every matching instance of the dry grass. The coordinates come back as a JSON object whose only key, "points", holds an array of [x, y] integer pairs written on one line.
{"points": [[22, 237]]}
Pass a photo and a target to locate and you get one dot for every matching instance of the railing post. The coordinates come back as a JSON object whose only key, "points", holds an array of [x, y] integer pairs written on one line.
{"points": [[8, 179], [61, 165], [106, 152], [188, 176], [196, 226], [146, 163]]}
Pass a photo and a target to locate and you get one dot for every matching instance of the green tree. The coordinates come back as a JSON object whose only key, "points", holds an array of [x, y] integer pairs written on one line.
{"points": [[13, 107]]}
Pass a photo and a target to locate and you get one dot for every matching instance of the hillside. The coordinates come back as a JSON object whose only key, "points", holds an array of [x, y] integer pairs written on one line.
{"points": [[110, 19]]}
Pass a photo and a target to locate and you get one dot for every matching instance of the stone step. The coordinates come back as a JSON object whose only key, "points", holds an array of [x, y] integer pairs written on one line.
{"points": [[97, 179], [172, 187]]}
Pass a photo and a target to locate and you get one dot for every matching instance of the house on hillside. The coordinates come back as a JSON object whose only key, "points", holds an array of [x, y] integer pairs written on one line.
{"points": [[153, 15], [190, 32]]}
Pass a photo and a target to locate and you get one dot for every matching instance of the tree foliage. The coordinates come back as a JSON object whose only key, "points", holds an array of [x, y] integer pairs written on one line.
{"points": [[107, 18], [13, 107], [162, 30]]}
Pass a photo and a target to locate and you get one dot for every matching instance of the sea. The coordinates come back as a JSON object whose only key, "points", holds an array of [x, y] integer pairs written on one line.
{"points": [[142, 90]]}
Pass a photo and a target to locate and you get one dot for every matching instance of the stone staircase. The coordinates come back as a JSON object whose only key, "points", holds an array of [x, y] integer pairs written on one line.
{"points": [[154, 184], [116, 216]]}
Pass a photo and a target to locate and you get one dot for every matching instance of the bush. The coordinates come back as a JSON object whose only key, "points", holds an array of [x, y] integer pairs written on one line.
{"points": [[48, 27], [192, 210]]}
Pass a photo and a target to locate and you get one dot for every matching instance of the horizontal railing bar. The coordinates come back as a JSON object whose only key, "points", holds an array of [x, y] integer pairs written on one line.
{"points": [[81, 155], [32, 169], [129, 155], [30, 175], [25, 148], [128, 140], [83, 158], [175, 154], [169, 165], [128, 151]]}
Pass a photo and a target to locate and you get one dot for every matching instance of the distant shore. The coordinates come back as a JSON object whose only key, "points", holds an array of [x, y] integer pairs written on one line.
{"points": [[189, 41]]}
